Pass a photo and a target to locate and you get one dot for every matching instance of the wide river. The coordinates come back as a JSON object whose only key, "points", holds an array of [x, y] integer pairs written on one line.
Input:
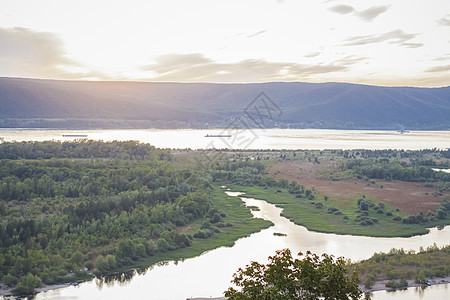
{"points": [[209, 274], [251, 138]]}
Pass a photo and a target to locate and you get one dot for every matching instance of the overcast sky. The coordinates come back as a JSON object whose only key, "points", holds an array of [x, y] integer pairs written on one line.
{"points": [[395, 42]]}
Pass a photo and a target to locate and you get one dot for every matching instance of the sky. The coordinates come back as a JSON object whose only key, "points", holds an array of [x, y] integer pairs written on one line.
{"points": [[383, 42]]}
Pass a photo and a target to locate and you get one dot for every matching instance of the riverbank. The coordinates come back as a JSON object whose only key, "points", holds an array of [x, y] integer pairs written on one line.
{"points": [[8, 291], [320, 213], [237, 214]]}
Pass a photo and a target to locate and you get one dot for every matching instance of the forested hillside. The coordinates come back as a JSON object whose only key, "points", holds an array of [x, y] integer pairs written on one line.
{"points": [[78, 104], [68, 209]]}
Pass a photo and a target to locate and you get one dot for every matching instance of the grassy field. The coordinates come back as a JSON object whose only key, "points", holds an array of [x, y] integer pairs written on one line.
{"points": [[338, 217], [236, 213]]}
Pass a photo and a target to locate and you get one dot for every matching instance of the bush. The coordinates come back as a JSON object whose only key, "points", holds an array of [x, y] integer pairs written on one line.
{"points": [[370, 281], [396, 285], [203, 234], [27, 284], [163, 245], [420, 277], [10, 280]]}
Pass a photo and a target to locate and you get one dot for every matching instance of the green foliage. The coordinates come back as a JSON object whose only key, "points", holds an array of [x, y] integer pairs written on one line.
{"points": [[10, 280], [420, 277], [347, 219], [102, 264], [66, 205], [397, 284], [399, 264], [27, 284], [369, 282], [310, 277]]}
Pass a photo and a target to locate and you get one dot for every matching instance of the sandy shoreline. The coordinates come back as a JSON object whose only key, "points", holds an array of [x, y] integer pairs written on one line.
{"points": [[7, 292]]}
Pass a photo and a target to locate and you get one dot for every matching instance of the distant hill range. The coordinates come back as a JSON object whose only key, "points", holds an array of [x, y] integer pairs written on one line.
{"points": [[86, 104]]}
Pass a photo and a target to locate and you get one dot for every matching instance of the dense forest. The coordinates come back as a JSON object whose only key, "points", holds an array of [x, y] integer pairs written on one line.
{"points": [[74, 207]]}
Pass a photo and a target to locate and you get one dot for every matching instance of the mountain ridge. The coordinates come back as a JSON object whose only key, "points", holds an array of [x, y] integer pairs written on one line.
{"points": [[132, 104]]}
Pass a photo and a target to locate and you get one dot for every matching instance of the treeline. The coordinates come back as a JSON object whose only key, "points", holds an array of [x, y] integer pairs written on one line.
{"points": [[399, 265], [81, 148], [383, 168], [392, 153], [90, 206]]}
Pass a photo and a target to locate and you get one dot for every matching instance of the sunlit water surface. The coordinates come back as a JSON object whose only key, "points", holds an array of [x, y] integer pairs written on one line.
{"points": [[251, 138]]}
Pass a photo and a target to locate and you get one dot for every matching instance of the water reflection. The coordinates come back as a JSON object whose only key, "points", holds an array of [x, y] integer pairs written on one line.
{"points": [[120, 279], [209, 274], [435, 292]]}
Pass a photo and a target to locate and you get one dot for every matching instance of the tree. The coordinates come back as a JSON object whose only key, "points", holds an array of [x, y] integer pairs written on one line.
{"points": [[311, 277], [102, 264], [27, 284]]}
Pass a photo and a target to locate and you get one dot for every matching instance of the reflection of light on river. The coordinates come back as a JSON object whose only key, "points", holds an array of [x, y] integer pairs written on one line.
{"points": [[299, 239]]}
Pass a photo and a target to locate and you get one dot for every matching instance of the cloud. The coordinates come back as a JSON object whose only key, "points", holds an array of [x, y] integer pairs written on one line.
{"points": [[196, 67], [27, 53], [439, 69], [342, 9], [445, 21], [371, 13], [394, 37], [412, 45], [312, 54], [257, 33], [367, 15], [443, 57]]}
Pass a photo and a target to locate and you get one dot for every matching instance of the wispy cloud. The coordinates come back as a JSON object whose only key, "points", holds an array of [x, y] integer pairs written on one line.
{"points": [[312, 54], [196, 67], [443, 57], [445, 21], [394, 37], [439, 69], [28, 53], [367, 15], [256, 33], [371, 13], [342, 9]]}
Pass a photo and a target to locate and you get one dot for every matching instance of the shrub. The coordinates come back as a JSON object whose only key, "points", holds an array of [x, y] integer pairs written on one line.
{"points": [[10, 280]]}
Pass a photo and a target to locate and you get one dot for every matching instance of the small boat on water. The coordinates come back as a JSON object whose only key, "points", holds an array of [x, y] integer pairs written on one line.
{"points": [[218, 135], [74, 135]]}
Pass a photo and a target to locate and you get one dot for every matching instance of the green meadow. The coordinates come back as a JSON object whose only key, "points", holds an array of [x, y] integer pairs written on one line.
{"points": [[339, 217]]}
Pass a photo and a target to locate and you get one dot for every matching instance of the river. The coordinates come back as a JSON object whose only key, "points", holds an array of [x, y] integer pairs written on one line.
{"points": [[251, 138], [210, 273]]}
